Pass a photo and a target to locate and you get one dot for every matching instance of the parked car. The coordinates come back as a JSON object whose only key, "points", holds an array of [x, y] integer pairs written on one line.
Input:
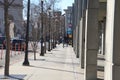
{"points": [[18, 44], [2, 42]]}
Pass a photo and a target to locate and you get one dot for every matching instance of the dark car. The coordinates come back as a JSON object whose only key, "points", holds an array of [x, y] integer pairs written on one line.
{"points": [[18, 44], [2, 42]]}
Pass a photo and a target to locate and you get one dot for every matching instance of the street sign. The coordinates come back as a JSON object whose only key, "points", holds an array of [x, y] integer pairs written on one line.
{"points": [[69, 30]]}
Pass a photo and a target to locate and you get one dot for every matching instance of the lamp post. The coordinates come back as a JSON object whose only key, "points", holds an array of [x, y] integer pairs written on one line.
{"points": [[49, 11], [42, 39], [26, 62]]}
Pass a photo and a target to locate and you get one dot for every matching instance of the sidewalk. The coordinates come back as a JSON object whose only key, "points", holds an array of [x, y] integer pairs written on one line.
{"points": [[59, 64]]}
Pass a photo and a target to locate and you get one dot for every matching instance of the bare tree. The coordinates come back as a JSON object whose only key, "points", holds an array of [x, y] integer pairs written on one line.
{"points": [[34, 14], [35, 39], [25, 8], [35, 17], [7, 4], [49, 4]]}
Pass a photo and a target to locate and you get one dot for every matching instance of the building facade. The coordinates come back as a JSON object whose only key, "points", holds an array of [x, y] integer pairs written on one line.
{"points": [[68, 24], [15, 14], [96, 31]]}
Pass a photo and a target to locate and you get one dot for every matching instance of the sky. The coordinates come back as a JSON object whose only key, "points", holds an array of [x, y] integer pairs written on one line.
{"points": [[63, 4]]}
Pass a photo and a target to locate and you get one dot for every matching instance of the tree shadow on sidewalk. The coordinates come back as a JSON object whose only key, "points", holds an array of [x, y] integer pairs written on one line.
{"points": [[57, 62], [12, 77], [100, 79], [62, 62], [56, 69]]}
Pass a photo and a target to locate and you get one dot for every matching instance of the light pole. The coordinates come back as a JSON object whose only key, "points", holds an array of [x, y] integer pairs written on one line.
{"points": [[49, 11], [26, 62], [42, 39]]}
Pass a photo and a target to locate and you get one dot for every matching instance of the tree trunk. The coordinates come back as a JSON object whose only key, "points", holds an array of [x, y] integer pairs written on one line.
{"points": [[34, 54], [7, 55]]}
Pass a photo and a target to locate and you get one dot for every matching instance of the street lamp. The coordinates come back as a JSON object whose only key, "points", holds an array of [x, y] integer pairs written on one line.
{"points": [[42, 39], [49, 11], [26, 62]]}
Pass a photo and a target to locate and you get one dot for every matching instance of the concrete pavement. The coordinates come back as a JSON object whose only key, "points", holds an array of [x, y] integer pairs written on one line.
{"points": [[59, 64]]}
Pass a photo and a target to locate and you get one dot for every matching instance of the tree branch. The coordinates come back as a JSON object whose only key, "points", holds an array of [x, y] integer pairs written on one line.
{"points": [[10, 3], [1, 3]]}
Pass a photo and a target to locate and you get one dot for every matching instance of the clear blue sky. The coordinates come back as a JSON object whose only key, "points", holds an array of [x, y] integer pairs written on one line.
{"points": [[63, 4]]}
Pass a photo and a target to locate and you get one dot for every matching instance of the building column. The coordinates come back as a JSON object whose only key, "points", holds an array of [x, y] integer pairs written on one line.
{"points": [[82, 41], [79, 3], [82, 33], [77, 54], [74, 37], [91, 40], [76, 46], [76, 27], [112, 41]]}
